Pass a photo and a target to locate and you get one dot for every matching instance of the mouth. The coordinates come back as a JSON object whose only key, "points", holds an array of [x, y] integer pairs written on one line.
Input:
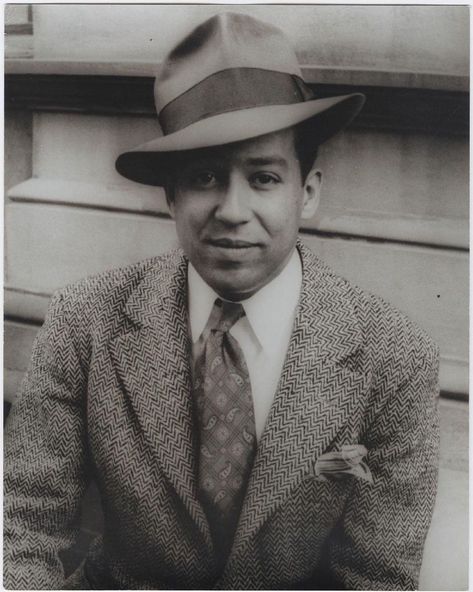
{"points": [[229, 243]]}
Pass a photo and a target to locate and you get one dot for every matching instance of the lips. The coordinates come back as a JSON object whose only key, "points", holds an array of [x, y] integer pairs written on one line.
{"points": [[229, 243]]}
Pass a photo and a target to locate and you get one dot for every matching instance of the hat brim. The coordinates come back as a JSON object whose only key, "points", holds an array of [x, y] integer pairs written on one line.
{"points": [[149, 162]]}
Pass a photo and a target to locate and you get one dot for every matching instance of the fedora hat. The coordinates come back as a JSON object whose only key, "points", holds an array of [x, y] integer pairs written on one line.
{"points": [[231, 79]]}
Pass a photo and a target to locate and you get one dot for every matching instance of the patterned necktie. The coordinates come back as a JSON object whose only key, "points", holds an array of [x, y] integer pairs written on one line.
{"points": [[225, 418]]}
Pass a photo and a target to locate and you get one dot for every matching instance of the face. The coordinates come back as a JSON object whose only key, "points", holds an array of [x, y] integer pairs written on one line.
{"points": [[238, 209]]}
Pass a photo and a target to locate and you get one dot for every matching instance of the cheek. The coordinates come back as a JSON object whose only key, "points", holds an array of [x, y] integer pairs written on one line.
{"points": [[187, 213], [284, 217]]}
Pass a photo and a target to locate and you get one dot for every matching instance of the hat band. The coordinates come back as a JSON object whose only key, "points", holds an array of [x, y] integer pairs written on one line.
{"points": [[232, 90]]}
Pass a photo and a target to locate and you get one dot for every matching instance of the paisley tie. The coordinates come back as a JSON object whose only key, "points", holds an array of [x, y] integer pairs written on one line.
{"points": [[225, 418]]}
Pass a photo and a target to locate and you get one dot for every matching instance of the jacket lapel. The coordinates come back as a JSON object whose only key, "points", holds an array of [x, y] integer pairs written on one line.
{"points": [[316, 394], [152, 361]]}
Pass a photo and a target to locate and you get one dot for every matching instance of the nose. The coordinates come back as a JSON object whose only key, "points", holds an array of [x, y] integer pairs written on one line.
{"points": [[233, 207]]}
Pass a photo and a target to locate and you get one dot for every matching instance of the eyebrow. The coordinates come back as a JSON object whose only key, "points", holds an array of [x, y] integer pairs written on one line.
{"points": [[212, 162], [266, 161]]}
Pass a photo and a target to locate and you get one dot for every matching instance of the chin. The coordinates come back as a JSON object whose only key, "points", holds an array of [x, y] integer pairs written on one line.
{"points": [[234, 291]]}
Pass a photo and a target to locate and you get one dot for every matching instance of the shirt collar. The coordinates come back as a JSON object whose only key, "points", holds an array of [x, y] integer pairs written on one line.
{"points": [[272, 308], [201, 301], [269, 311]]}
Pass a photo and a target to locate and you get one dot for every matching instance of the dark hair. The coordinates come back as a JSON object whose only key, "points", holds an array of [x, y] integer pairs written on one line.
{"points": [[306, 152]]}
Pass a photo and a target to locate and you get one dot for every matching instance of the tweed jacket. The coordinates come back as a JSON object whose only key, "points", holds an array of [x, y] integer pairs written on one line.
{"points": [[107, 396]]}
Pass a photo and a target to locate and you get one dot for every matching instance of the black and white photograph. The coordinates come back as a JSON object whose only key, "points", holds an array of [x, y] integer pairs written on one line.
{"points": [[236, 254]]}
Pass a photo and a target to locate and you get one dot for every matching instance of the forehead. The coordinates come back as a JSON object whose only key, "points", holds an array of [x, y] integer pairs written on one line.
{"points": [[277, 148]]}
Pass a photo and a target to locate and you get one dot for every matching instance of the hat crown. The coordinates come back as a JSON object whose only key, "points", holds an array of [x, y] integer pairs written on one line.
{"points": [[225, 41], [232, 78]]}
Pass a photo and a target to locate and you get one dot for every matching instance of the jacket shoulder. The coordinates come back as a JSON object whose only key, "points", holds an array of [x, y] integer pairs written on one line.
{"points": [[388, 334], [396, 351], [99, 299]]}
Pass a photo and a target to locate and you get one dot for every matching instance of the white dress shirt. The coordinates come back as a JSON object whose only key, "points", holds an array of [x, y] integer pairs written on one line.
{"points": [[263, 334]]}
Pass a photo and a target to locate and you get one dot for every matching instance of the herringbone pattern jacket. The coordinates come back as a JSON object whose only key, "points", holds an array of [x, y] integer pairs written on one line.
{"points": [[108, 396]]}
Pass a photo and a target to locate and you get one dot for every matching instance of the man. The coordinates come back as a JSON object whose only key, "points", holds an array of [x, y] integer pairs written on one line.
{"points": [[251, 419]]}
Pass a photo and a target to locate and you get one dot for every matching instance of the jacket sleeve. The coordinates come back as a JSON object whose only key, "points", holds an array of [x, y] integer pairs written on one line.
{"points": [[45, 459], [380, 543]]}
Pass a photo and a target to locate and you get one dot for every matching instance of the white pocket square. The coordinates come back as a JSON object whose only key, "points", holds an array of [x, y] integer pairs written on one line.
{"points": [[339, 463]]}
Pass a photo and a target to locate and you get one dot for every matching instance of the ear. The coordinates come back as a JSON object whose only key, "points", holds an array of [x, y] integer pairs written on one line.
{"points": [[312, 189]]}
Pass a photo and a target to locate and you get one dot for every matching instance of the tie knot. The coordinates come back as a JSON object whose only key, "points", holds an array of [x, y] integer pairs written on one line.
{"points": [[225, 314]]}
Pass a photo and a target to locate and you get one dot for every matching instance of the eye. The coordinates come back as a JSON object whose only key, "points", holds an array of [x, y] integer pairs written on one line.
{"points": [[265, 179], [203, 179]]}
